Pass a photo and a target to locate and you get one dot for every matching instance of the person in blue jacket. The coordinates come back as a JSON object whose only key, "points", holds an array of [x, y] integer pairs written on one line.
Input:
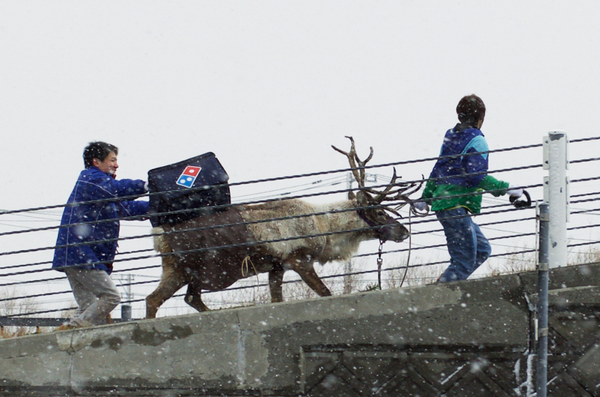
{"points": [[89, 229], [455, 187]]}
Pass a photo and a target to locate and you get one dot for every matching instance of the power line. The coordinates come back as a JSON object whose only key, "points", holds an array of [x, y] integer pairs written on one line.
{"points": [[421, 227]]}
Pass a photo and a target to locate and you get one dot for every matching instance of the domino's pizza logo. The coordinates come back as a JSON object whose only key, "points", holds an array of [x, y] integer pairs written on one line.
{"points": [[188, 176]]}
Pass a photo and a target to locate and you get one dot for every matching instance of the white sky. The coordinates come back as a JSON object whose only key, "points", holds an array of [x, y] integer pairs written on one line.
{"points": [[270, 85]]}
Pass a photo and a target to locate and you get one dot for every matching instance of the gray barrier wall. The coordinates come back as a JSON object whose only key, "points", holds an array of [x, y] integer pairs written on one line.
{"points": [[471, 338]]}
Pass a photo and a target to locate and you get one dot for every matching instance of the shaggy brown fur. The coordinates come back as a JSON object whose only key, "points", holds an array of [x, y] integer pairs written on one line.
{"points": [[209, 252]]}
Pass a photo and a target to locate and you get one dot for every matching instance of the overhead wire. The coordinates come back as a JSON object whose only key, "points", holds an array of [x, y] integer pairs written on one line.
{"points": [[494, 209]]}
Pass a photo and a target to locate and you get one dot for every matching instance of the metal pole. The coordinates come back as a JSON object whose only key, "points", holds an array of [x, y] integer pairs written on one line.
{"points": [[554, 215], [126, 307], [126, 312], [542, 347], [556, 194]]}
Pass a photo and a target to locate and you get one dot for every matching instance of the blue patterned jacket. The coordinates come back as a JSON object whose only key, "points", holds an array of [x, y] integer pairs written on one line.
{"points": [[89, 229]]}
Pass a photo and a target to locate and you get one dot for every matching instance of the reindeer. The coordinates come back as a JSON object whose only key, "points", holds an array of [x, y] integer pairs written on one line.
{"points": [[213, 251]]}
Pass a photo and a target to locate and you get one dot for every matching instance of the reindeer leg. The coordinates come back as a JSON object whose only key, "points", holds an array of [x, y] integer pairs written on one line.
{"points": [[193, 298], [311, 278], [170, 282], [275, 283]]}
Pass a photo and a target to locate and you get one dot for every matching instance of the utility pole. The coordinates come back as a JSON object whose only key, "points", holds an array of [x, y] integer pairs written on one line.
{"points": [[348, 264]]}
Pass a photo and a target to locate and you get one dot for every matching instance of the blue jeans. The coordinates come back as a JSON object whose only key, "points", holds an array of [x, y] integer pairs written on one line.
{"points": [[467, 246]]}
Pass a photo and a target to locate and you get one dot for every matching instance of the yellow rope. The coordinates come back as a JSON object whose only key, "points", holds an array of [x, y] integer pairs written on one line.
{"points": [[245, 272], [245, 266]]}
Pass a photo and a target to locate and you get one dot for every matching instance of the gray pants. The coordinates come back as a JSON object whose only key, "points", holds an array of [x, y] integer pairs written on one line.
{"points": [[95, 294]]}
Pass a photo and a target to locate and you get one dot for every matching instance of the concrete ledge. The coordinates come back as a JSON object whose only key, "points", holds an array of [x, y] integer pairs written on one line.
{"points": [[268, 349]]}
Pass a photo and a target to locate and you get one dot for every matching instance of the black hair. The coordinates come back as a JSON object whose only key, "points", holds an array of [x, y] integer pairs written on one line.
{"points": [[470, 110], [97, 150]]}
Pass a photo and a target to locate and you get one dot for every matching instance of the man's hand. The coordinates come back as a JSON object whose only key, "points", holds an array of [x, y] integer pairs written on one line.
{"points": [[514, 193], [420, 206]]}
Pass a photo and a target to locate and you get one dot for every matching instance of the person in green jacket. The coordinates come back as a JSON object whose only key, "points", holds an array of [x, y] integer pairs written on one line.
{"points": [[455, 187]]}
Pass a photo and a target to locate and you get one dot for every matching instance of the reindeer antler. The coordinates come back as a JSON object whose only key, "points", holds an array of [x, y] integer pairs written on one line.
{"points": [[404, 195], [393, 191], [357, 170], [396, 191]]}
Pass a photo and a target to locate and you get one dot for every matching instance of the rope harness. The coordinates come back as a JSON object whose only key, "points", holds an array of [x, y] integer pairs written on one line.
{"points": [[245, 272], [246, 268]]}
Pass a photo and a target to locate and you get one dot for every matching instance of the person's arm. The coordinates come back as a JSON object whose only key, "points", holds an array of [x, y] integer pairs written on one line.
{"points": [[133, 208], [109, 187], [96, 185], [494, 186]]}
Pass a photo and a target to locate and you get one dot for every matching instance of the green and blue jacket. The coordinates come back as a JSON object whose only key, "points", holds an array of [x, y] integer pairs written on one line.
{"points": [[459, 177]]}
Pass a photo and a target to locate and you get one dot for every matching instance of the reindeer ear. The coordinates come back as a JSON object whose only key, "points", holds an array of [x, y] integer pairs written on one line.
{"points": [[351, 196], [362, 198]]}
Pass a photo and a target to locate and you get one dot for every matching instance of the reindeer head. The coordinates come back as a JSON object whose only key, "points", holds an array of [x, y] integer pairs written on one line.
{"points": [[369, 201]]}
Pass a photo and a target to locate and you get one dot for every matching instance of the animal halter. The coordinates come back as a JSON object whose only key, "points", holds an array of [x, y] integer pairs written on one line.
{"points": [[378, 228]]}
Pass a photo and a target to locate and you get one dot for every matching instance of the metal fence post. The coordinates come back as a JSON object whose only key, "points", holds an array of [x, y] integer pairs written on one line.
{"points": [[556, 194], [554, 214], [542, 347], [125, 312]]}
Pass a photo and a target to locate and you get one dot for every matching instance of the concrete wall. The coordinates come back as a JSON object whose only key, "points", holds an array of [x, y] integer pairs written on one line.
{"points": [[470, 338]]}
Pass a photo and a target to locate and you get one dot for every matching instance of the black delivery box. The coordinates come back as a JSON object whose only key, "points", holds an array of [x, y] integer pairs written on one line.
{"points": [[187, 189]]}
